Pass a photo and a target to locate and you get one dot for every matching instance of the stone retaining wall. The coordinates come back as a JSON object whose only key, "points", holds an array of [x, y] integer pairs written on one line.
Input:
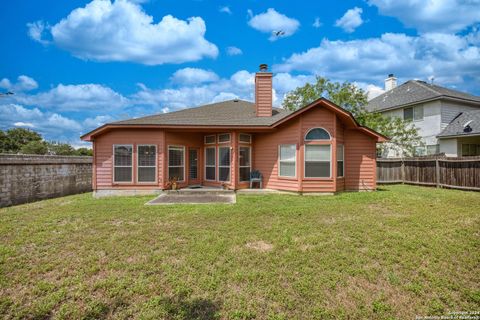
{"points": [[27, 178]]}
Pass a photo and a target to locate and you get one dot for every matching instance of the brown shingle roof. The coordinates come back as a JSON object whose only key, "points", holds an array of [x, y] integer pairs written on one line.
{"points": [[226, 113]]}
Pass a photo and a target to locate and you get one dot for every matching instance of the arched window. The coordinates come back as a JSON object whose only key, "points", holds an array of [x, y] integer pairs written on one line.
{"points": [[318, 157], [317, 134]]}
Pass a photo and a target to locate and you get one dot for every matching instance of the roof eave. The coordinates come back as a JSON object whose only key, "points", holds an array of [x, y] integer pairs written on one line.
{"points": [[442, 97], [476, 134]]}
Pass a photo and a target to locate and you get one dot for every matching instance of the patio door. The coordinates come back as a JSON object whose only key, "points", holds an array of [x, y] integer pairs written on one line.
{"points": [[193, 173]]}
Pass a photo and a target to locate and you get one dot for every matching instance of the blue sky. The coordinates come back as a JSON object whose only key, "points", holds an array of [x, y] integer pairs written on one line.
{"points": [[74, 65]]}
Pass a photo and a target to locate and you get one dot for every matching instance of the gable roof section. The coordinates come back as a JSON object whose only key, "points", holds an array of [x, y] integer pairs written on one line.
{"points": [[457, 126], [228, 114], [415, 91]]}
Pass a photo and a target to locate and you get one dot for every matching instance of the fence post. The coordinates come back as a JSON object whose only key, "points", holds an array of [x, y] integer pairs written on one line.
{"points": [[402, 168], [437, 172]]}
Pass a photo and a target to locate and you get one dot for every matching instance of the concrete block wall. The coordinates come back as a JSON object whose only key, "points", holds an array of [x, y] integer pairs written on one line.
{"points": [[27, 178]]}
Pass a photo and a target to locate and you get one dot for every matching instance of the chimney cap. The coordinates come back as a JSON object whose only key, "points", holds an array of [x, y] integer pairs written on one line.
{"points": [[390, 75], [263, 67]]}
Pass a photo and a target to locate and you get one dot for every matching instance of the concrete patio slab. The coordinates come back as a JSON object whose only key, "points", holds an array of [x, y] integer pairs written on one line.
{"points": [[193, 198]]}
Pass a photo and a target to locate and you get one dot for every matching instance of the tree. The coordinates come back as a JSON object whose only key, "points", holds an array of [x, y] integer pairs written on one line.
{"points": [[345, 94], [403, 134], [3, 142], [18, 137], [34, 147], [84, 152], [60, 149]]}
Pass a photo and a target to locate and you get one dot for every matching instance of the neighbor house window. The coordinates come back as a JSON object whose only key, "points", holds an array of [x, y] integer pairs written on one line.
{"points": [[245, 138], [224, 137], [122, 159], [413, 113], [317, 134], [470, 150], [287, 160], [176, 163], [244, 163], [210, 139], [210, 163], [433, 149], [224, 163], [146, 163], [340, 161], [317, 160]]}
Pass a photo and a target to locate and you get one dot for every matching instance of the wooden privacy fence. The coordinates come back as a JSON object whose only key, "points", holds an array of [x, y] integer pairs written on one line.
{"points": [[459, 173]]}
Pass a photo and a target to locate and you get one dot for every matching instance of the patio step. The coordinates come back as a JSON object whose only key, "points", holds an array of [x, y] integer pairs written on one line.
{"points": [[200, 191]]}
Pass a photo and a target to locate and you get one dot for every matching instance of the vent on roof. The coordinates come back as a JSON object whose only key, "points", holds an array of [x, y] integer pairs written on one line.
{"points": [[466, 126], [235, 100]]}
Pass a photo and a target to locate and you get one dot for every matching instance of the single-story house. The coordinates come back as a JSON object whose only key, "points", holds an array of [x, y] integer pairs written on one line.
{"points": [[318, 148], [462, 136]]}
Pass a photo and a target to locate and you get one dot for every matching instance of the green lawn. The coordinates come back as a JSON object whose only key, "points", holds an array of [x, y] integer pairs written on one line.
{"points": [[392, 254]]}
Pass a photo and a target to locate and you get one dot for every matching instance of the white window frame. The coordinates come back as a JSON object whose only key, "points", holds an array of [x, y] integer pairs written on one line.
{"points": [[139, 166], [210, 135], [168, 162], [415, 110], [114, 166], [249, 166], [229, 166], [245, 134], [343, 160], [210, 166], [328, 132], [305, 161], [413, 113], [280, 160], [229, 138]]}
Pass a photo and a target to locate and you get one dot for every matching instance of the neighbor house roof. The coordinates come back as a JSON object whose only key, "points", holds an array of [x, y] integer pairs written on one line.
{"points": [[238, 114], [415, 91], [226, 113], [465, 124]]}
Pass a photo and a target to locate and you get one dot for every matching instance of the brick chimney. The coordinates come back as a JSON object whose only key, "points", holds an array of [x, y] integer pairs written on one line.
{"points": [[263, 92]]}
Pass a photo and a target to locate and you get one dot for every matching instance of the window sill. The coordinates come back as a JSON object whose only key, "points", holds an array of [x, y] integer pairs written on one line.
{"points": [[288, 178]]}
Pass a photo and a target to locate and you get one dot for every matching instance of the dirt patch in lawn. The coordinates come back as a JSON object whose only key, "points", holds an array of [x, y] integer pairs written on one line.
{"points": [[260, 246]]}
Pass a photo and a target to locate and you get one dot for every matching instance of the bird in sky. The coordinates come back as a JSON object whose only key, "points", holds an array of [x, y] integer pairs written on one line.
{"points": [[278, 33]]}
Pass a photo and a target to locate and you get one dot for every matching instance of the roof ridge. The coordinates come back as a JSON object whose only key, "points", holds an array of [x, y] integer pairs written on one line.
{"points": [[424, 85]]}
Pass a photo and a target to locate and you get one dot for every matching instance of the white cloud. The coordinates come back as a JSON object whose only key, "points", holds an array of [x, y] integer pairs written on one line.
{"points": [[24, 124], [97, 121], [79, 98], [193, 76], [285, 82], [317, 23], [351, 20], [122, 31], [234, 51], [434, 15], [240, 84], [37, 30], [451, 59], [272, 21], [52, 126], [24, 83], [225, 9]]}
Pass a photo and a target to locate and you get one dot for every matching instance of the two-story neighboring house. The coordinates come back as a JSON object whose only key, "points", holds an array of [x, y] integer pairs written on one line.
{"points": [[431, 108]]}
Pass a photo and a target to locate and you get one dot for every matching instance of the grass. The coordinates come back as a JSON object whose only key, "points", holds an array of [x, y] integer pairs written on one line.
{"points": [[392, 254]]}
